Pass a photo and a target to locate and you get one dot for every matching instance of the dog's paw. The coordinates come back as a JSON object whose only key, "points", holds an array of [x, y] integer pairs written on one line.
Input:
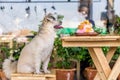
{"points": [[38, 72], [47, 71]]}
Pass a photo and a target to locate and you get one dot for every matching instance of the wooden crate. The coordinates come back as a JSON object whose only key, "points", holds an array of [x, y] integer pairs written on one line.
{"points": [[18, 76]]}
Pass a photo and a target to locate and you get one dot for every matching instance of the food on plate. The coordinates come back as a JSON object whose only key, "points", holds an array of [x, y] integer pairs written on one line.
{"points": [[85, 27]]}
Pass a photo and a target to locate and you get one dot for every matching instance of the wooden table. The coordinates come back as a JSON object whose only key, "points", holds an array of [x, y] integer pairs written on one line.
{"points": [[7, 39], [94, 44]]}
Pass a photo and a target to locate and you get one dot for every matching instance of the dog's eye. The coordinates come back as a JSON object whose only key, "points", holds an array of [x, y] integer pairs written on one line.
{"points": [[52, 17]]}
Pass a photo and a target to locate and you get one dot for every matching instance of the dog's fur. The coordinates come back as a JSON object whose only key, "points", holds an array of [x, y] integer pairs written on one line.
{"points": [[9, 67], [37, 53]]}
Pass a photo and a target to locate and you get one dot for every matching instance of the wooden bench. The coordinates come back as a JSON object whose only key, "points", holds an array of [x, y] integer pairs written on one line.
{"points": [[7, 39], [18, 76]]}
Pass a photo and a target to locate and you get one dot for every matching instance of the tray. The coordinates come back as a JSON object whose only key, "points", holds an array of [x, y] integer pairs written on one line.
{"points": [[87, 34]]}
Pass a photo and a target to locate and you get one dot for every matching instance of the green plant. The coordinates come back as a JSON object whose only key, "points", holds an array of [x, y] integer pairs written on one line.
{"points": [[4, 53], [15, 50], [5, 50], [67, 56], [17, 47], [100, 30], [117, 24], [117, 53], [61, 54], [34, 33]]}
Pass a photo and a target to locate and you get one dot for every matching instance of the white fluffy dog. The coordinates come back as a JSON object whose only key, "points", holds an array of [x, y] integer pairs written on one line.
{"points": [[37, 53]]}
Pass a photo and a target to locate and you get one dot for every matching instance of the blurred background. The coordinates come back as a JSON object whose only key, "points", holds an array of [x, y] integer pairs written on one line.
{"points": [[27, 14]]}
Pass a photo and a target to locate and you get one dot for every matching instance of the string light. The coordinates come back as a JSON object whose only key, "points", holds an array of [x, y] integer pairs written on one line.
{"points": [[27, 11], [35, 9], [53, 7], [2, 8], [69, 0], [45, 11], [11, 7]]}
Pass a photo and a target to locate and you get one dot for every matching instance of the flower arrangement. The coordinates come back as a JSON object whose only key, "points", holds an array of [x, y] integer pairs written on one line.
{"points": [[85, 27]]}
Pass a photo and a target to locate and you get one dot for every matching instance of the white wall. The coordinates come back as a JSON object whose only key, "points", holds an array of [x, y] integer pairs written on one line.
{"points": [[117, 7]]}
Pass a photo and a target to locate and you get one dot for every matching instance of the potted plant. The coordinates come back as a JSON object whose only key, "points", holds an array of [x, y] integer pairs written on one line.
{"points": [[67, 58], [63, 64]]}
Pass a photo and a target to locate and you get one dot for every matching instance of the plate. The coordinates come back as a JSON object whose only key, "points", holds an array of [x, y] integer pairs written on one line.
{"points": [[87, 34]]}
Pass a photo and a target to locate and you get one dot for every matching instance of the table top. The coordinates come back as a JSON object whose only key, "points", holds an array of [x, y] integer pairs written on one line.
{"points": [[91, 41], [91, 38], [6, 38]]}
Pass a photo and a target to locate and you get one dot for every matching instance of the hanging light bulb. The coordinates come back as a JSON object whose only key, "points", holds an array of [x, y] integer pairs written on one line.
{"points": [[27, 11], [11, 7], [29, 0], [69, 0], [2, 8], [35, 9], [53, 7], [45, 10]]}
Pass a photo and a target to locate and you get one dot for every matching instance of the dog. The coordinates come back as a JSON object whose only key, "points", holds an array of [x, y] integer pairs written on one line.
{"points": [[35, 54]]}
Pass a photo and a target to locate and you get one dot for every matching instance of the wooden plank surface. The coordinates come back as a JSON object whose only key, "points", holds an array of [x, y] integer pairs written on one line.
{"points": [[110, 53], [91, 38], [100, 62], [90, 43], [115, 71], [7, 39], [34, 75], [96, 62], [103, 63], [18, 76], [108, 57], [28, 78]]}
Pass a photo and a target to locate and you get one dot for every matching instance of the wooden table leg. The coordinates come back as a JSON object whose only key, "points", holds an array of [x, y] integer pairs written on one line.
{"points": [[100, 62], [115, 71], [78, 71], [110, 54], [11, 43], [108, 57]]}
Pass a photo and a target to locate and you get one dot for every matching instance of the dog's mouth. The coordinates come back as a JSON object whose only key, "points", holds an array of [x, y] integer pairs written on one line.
{"points": [[58, 27], [59, 18]]}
